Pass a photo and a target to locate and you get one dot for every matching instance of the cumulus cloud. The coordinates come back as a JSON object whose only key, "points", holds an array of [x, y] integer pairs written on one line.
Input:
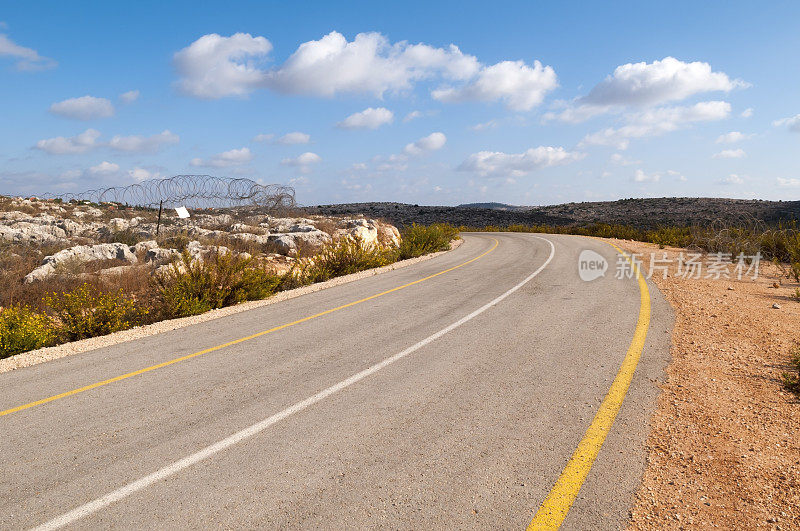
{"points": [[432, 142], [792, 123], [291, 139], [214, 66], [413, 115], [263, 137], [788, 183], [747, 113], [499, 164], [654, 122], [26, 58], [142, 174], [129, 97], [491, 124], [303, 161], [731, 138], [642, 177], [731, 179], [83, 108], [730, 154], [369, 64], [69, 145], [104, 168], [370, 118], [620, 160], [520, 86], [233, 157], [645, 85], [143, 144]]}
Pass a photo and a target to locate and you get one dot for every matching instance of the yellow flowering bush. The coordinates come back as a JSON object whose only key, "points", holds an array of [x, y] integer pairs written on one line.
{"points": [[86, 312], [192, 287], [22, 329]]}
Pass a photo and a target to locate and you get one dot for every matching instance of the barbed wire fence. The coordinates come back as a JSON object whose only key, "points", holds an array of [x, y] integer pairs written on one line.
{"points": [[191, 191]]}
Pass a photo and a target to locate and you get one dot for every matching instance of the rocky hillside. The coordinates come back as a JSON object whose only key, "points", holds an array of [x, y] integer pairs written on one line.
{"points": [[643, 213], [43, 239]]}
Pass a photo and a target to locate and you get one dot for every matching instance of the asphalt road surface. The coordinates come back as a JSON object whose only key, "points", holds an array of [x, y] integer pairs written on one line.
{"points": [[453, 402]]}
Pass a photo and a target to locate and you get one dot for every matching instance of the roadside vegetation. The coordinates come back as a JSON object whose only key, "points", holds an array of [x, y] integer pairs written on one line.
{"points": [[44, 314], [791, 379]]}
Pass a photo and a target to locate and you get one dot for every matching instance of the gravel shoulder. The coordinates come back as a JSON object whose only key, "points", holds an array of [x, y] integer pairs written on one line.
{"points": [[724, 446], [26, 359]]}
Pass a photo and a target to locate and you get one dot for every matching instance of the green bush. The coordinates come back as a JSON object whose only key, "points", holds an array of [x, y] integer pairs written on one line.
{"points": [[86, 312], [792, 379], [192, 287], [348, 255], [418, 240], [22, 329]]}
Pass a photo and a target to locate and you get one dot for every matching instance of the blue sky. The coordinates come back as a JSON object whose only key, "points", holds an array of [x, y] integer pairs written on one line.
{"points": [[429, 103]]}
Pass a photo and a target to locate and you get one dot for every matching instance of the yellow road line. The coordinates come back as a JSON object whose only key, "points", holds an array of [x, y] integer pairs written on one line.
{"points": [[558, 502], [234, 342]]}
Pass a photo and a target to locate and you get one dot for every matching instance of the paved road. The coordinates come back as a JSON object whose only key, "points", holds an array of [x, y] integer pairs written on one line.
{"points": [[468, 429]]}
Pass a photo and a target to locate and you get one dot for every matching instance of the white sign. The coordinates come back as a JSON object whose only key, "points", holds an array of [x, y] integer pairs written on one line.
{"points": [[182, 212]]}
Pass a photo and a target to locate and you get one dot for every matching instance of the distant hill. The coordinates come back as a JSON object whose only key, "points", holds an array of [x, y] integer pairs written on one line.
{"points": [[490, 206], [645, 213]]}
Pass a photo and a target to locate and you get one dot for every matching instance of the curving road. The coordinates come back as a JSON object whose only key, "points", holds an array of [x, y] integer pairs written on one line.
{"points": [[455, 401]]}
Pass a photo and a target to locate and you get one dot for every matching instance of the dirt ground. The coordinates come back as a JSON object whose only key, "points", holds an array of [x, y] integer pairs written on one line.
{"points": [[724, 446]]}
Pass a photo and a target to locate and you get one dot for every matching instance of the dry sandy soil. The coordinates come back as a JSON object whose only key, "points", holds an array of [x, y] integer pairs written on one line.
{"points": [[724, 447]]}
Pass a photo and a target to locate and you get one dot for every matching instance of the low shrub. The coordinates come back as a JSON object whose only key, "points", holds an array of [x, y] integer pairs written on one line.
{"points": [[791, 380], [22, 329], [192, 287], [87, 312], [348, 255], [418, 240]]}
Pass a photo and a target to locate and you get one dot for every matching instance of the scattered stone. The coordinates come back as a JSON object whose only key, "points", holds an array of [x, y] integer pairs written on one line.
{"points": [[81, 254], [776, 306]]}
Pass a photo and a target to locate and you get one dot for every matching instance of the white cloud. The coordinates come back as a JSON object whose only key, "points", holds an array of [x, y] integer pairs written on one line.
{"points": [[788, 183], [27, 58], [369, 64], [792, 123], [214, 66], [731, 138], [413, 115], [432, 142], [370, 118], [647, 84], [233, 157], [104, 168], [499, 164], [142, 144], [520, 86], [658, 82], [730, 154], [263, 137], [642, 177], [83, 108], [620, 160], [77, 144], [491, 124], [731, 179], [291, 139], [658, 121], [303, 161], [129, 97], [142, 174], [747, 113]]}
